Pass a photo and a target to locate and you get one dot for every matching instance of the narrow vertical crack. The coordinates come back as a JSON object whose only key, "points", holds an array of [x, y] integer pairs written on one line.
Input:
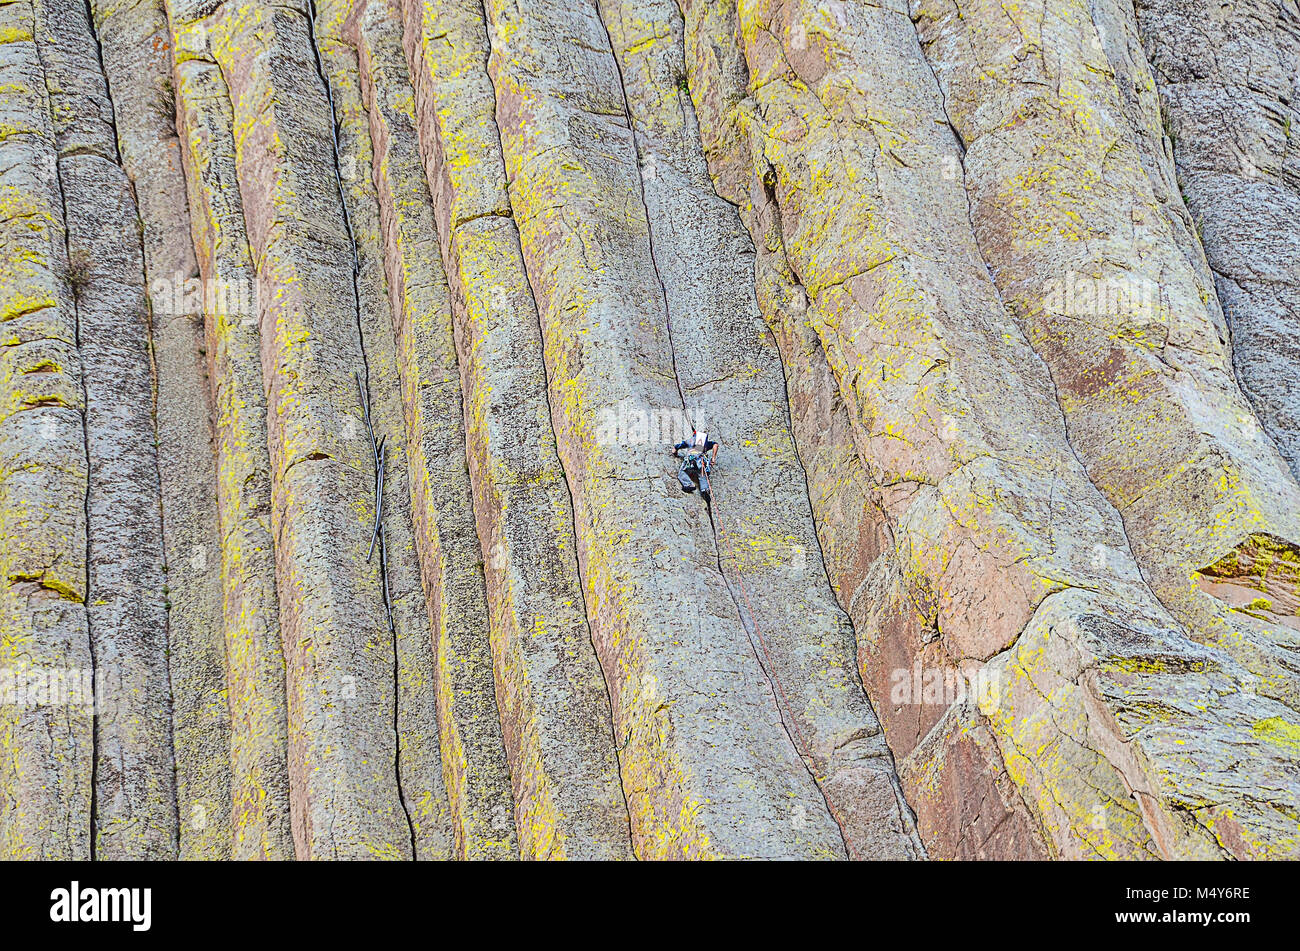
{"points": [[573, 511], [85, 446], [750, 625], [153, 411], [363, 382], [96, 685]]}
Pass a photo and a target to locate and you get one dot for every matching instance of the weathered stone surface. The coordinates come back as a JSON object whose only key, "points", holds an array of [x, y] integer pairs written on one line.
{"points": [[46, 749], [420, 775], [851, 506], [135, 791], [342, 342], [259, 749], [1082, 251], [136, 48], [1227, 78], [858, 167], [339, 654], [731, 381], [554, 708], [698, 722]]}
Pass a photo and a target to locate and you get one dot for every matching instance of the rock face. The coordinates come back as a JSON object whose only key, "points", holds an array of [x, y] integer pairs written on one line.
{"points": [[345, 343]]}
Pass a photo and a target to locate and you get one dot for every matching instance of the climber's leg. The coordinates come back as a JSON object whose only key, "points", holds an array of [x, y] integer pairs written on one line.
{"points": [[684, 477]]}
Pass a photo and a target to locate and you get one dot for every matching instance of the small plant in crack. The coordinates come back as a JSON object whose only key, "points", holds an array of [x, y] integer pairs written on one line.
{"points": [[165, 105], [80, 271]]}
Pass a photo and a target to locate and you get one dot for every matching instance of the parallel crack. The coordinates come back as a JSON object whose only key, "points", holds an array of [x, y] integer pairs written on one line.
{"points": [[363, 384], [750, 626]]}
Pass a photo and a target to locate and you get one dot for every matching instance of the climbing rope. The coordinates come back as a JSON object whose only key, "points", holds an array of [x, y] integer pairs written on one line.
{"points": [[379, 456], [783, 703]]}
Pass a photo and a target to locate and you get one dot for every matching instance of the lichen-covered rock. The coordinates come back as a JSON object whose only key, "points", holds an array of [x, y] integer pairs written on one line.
{"points": [[135, 788], [1083, 252], [708, 763], [46, 799], [259, 778], [887, 267], [554, 708], [338, 648], [343, 348], [731, 380], [420, 775], [136, 49]]}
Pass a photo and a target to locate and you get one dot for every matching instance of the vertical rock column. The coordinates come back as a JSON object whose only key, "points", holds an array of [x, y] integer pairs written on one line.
{"points": [[1233, 124], [338, 650], [137, 58], [423, 789], [135, 794], [851, 528], [879, 467], [733, 384], [1088, 261], [46, 749], [551, 692], [1000, 557], [708, 767], [258, 754]]}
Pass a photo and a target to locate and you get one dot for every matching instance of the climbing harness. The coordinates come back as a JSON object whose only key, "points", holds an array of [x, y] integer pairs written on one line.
{"points": [[698, 463], [696, 468]]}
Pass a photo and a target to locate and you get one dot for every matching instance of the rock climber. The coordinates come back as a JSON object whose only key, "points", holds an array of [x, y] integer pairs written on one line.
{"points": [[701, 454]]}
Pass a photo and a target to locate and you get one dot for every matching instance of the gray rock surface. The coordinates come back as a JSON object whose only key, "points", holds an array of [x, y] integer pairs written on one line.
{"points": [[343, 345]]}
